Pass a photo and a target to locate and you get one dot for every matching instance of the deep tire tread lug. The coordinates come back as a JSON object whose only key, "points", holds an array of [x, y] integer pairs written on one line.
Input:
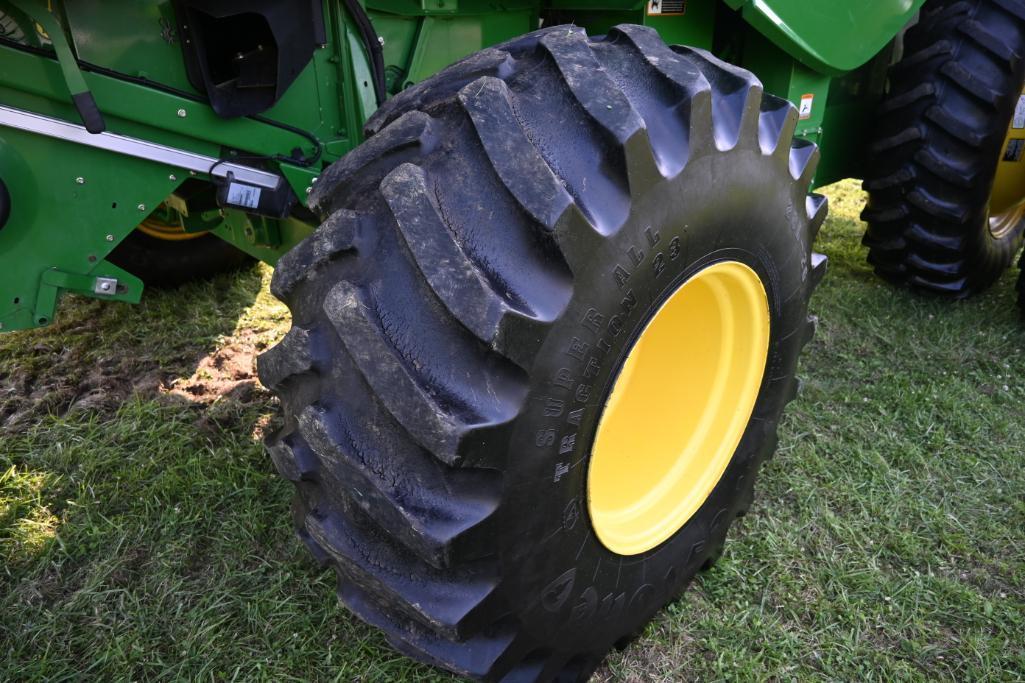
{"points": [[804, 160], [434, 512], [819, 265], [461, 287], [611, 116], [442, 601], [776, 126], [293, 355], [518, 164], [397, 381], [336, 237], [817, 208], [358, 172]]}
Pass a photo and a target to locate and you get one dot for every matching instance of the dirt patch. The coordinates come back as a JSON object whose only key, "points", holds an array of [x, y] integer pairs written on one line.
{"points": [[51, 378], [230, 370], [59, 380]]}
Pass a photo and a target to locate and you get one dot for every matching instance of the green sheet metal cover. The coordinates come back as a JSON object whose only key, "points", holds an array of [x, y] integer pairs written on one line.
{"points": [[829, 35]]}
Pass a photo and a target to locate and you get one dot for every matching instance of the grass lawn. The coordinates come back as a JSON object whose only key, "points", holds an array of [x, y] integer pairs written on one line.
{"points": [[144, 534]]}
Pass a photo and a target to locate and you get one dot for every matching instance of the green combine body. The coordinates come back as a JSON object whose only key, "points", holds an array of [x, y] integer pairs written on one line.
{"points": [[75, 196]]}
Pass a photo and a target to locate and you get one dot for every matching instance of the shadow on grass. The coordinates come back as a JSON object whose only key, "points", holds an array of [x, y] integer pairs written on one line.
{"points": [[86, 368], [143, 530]]}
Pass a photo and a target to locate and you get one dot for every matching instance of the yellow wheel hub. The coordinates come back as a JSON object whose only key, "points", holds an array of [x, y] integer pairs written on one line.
{"points": [[679, 408], [1007, 200]]}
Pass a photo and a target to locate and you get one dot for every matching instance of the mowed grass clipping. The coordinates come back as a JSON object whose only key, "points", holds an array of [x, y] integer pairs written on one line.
{"points": [[144, 534]]}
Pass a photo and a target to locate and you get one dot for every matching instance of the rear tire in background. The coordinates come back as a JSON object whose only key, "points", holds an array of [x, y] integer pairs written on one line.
{"points": [[939, 142], [470, 308], [169, 263]]}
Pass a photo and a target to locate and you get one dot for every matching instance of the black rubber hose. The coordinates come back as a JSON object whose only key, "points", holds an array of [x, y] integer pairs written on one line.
{"points": [[373, 44]]}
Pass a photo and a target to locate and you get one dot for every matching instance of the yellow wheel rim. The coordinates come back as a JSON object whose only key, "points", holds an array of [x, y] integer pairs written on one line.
{"points": [[678, 408], [1007, 200], [1003, 224], [171, 232]]}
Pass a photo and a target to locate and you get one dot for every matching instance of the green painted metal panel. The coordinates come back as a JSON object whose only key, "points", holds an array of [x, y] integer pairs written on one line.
{"points": [[694, 28], [788, 78], [423, 37], [832, 37], [263, 238], [31, 83], [62, 230], [70, 207], [137, 38]]}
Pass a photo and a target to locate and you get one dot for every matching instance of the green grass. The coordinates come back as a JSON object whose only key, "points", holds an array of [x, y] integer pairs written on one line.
{"points": [[144, 535]]}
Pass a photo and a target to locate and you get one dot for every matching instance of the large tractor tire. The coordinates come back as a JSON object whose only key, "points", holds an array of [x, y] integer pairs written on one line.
{"points": [[938, 219], [541, 344], [168, 258]]}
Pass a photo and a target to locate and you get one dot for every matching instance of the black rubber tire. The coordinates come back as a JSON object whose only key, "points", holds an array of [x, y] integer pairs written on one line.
{"points": [[485, 261], [940, 133], [168, 264]]}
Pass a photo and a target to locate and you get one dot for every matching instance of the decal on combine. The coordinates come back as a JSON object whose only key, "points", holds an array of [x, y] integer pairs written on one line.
{"points": [[665, 7], [807, 102], [244, 195]]}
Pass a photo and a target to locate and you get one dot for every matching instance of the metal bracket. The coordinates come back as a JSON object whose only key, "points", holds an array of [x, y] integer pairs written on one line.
{"points": [[261, 232], [105, 286], [113, 284]]}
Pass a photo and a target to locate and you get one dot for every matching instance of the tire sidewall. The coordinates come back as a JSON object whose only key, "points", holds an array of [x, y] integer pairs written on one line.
{"points": [[562, 583]]}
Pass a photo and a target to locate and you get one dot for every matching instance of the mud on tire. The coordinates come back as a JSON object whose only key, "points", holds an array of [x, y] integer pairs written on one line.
{"points": [[485, 260]]}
